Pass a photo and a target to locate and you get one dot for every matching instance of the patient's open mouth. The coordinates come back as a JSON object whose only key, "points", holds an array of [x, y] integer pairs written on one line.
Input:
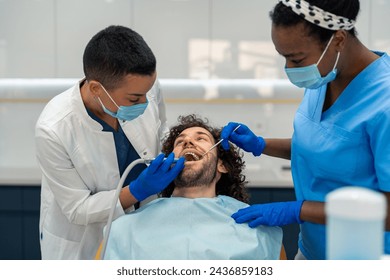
{"points": [[189, 156]]}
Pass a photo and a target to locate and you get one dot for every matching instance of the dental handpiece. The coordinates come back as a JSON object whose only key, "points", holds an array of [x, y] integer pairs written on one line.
{"points": [[219, 142]]}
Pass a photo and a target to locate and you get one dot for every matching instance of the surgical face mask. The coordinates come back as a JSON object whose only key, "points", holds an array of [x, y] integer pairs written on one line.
{"points": [[126, 113], [309, 76]]}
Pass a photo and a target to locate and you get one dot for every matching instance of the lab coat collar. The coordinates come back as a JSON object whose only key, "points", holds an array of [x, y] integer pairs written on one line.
{"points": [[78, 105]]}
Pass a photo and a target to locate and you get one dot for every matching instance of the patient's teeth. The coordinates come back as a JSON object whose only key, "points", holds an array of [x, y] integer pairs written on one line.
{"points": [[191, 156]]}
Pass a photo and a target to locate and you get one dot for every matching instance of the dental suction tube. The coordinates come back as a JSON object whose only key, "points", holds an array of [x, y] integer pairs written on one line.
{"points": [[115, 201]]}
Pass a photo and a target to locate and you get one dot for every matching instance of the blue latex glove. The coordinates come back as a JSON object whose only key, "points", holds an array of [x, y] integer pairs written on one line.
{"points": [[243, 137], [156, 177], [270, 214]]}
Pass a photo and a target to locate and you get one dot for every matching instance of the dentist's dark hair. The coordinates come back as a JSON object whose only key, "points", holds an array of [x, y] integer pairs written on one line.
{"points": [[231, 183], [115, 52]]}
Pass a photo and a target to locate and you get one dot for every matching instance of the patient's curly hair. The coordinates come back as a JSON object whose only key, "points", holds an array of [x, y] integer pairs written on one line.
{"points": [[231, 183]]}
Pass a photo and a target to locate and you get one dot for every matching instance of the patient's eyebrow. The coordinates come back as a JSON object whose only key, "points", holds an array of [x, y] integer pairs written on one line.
{"points": [[182, 135]]}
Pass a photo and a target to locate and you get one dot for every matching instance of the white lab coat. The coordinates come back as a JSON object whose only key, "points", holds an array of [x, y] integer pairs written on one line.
{"points": [[80, 170]]}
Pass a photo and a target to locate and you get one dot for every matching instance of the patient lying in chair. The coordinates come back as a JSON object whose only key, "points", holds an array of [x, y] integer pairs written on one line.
{"points": [[192, 219]]}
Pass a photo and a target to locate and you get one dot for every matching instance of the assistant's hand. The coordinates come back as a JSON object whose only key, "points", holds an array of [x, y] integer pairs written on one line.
{"points": [[156, 177], [270, 214], [243, 137]]}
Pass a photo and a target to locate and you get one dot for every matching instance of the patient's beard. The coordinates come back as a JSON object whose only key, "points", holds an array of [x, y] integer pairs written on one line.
{"points": [[197, 178]]}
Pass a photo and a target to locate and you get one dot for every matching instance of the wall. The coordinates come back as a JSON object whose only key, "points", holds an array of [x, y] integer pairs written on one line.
{"points": [[191, 38]]}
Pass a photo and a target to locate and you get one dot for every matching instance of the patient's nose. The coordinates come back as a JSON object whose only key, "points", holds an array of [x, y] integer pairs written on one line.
{"points": [[188, 142]]}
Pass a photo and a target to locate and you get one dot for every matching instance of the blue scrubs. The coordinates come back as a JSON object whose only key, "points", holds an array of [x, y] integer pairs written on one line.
{"points": [[125, 152], [347, 145], [182, 228]]}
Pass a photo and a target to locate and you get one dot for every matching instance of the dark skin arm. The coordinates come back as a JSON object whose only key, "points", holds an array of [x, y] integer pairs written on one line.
{"points": [[387, 194], [314, 212], [126, 198], [280, 148]]}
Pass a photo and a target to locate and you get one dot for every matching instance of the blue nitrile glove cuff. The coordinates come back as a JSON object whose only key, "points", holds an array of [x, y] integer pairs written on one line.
{"points": [[270, 214], [297, 207], [260, 147], [136, 191], [156, 177]]}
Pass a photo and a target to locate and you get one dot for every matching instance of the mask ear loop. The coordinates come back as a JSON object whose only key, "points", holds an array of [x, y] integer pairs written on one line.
{"points": [[108, 96], [326, 48], [101, 103], [337, 60]]}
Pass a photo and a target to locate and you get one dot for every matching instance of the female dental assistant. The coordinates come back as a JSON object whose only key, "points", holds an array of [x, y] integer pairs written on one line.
{"points": [[342, 126], [88, 135]]}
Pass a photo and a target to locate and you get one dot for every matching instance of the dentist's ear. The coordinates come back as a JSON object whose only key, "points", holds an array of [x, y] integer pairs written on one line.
{"points": [[340, 38], [221, 167], [94, 88]]}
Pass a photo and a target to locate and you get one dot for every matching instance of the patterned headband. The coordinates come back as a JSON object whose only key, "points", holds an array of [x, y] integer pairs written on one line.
{"points": [[318, 16]]}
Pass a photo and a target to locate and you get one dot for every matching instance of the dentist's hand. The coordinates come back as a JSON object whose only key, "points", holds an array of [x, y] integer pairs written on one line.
{"points": [[270, 214], [156, 177], [243, 137]]}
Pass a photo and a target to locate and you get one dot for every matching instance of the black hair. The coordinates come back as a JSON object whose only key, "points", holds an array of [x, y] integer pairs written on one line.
{"points": [[115, 52], [282, 15]]}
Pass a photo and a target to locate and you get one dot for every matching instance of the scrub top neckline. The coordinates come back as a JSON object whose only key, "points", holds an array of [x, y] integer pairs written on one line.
{"points": [[105, 126], [347, 95]]}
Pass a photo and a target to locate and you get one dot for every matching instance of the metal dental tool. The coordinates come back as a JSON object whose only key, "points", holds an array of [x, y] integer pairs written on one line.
{"points": [[219, 142]]}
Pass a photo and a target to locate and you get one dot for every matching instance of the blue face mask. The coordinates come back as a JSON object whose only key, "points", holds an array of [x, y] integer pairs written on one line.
{"points": [[309, 76], [126, 113]]}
